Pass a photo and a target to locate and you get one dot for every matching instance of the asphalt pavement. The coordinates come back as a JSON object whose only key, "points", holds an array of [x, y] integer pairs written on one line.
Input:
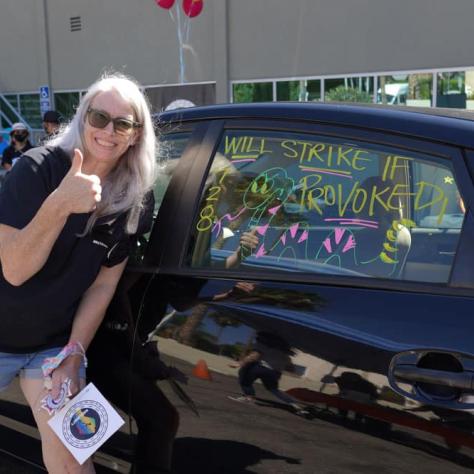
{"points": [[230, 437]]}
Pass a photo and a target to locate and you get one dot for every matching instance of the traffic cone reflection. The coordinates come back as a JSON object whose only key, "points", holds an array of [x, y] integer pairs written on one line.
{"points": [[201, 370]]}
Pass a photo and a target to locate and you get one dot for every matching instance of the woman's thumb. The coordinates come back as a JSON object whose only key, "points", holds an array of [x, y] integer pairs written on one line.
{"points": [[77, 159]]}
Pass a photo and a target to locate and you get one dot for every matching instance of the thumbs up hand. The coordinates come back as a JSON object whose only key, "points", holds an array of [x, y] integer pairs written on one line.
{"points": [[79, 192]]}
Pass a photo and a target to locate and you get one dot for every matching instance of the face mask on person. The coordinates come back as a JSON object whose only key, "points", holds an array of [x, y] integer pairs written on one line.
{"points": [[20, 137]]}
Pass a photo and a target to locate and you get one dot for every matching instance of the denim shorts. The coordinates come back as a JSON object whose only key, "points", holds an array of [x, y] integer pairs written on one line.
{"points": [[27, 365]]}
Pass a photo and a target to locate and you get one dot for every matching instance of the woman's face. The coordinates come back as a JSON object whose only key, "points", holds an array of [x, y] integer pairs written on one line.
{"points": [[104, 146]]}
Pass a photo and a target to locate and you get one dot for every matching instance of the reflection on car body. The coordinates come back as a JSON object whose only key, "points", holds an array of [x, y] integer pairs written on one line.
{"points": [[362, 271]]}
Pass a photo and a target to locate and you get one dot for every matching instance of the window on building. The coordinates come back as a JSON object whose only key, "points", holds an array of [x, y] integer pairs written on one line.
{"points": [[451, 89], [252, 92], [469, 89], [30, 109], [406, 89], [301, 91], [11, 99], [66, 103], [349, 89]]}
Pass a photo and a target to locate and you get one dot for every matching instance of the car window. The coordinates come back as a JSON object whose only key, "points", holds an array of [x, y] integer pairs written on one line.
{"points": [[170, 148], [298, 202]]}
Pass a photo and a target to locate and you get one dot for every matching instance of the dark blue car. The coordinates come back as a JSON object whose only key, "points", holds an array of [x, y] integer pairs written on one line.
{"points": [[311, 272]]}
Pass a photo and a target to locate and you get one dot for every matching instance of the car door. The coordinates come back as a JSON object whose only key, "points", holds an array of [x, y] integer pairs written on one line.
{"points": [[337, 261]]}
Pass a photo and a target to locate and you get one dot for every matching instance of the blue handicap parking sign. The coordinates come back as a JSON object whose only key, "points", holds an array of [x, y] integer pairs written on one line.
{"points": [[45, 103], [44, 92]]}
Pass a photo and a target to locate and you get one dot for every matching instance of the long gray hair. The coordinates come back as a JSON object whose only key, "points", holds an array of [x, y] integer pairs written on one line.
{"points": [[127, 184]]}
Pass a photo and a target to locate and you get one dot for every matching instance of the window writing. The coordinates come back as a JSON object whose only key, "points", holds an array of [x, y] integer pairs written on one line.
{"points": [[306, 203]]}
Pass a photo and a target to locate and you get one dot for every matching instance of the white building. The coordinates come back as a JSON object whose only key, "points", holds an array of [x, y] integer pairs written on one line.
{"points": [[413, 52]]}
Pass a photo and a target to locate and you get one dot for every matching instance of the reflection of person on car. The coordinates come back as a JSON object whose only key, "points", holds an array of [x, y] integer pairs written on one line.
{"points": [[266, 362]]}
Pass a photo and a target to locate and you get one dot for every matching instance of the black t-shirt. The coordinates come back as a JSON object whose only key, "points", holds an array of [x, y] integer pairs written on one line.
{"points": [[38, 314], [10, 154]]}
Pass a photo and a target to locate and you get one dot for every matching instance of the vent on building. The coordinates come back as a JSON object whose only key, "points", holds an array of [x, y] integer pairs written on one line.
{"points": [[76, 23]]}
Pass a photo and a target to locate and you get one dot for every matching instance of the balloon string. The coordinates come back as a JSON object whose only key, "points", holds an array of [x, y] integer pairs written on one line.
{"points": [[181, 52], [188, 27], [171, 15]]}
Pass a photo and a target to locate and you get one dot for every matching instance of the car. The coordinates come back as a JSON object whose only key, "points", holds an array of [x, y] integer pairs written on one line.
{"points": [[310, 271]]}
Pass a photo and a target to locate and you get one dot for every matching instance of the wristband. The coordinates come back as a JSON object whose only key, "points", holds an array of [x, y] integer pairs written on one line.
{"points": [[52, 363]]}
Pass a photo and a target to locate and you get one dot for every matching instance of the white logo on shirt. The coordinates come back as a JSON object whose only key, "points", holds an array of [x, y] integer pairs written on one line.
{"points": [[111, 250], [98, 242]]}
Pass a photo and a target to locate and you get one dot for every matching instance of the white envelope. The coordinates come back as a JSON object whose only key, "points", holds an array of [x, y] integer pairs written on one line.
{"points": [[85, 423]]}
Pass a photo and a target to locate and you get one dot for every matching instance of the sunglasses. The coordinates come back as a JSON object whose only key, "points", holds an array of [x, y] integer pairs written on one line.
{"points": [[100, 119]]}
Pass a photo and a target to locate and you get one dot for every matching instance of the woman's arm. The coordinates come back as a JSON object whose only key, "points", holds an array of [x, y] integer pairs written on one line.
{"points": [[88, 317], [23, 252]]}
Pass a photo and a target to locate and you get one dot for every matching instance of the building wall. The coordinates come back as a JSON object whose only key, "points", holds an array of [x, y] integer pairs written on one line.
{"points": [[276, 38], [230, 40], [22, 45], [136, 37]]}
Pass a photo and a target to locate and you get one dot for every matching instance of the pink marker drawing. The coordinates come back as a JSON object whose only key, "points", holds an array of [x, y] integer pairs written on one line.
{"points": [[350, 244], [262, 230], [260, 252], [327, 245], [359, 222], [294, 229], [338, 234], [274, 210], [304, 236], [218, 225]]}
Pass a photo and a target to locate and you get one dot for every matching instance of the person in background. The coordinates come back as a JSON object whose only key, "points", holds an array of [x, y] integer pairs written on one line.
{"points": [[70, 214], [51, 125], [266, 361], [19, 144]]}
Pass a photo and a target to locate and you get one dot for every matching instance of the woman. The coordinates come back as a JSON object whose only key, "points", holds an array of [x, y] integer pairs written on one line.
{"points": [[69, 215], [19, 144]]}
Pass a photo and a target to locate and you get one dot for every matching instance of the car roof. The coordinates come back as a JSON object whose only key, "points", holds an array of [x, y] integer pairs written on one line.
{"points": [[451, 126]]}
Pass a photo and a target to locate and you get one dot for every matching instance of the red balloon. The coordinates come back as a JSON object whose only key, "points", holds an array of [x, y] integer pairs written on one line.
{"points": [[192, 8], [165, 3]]}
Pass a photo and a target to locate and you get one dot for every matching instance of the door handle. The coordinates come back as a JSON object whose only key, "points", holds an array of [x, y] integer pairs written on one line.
{"points": [[435, 377], [413, 374]]}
